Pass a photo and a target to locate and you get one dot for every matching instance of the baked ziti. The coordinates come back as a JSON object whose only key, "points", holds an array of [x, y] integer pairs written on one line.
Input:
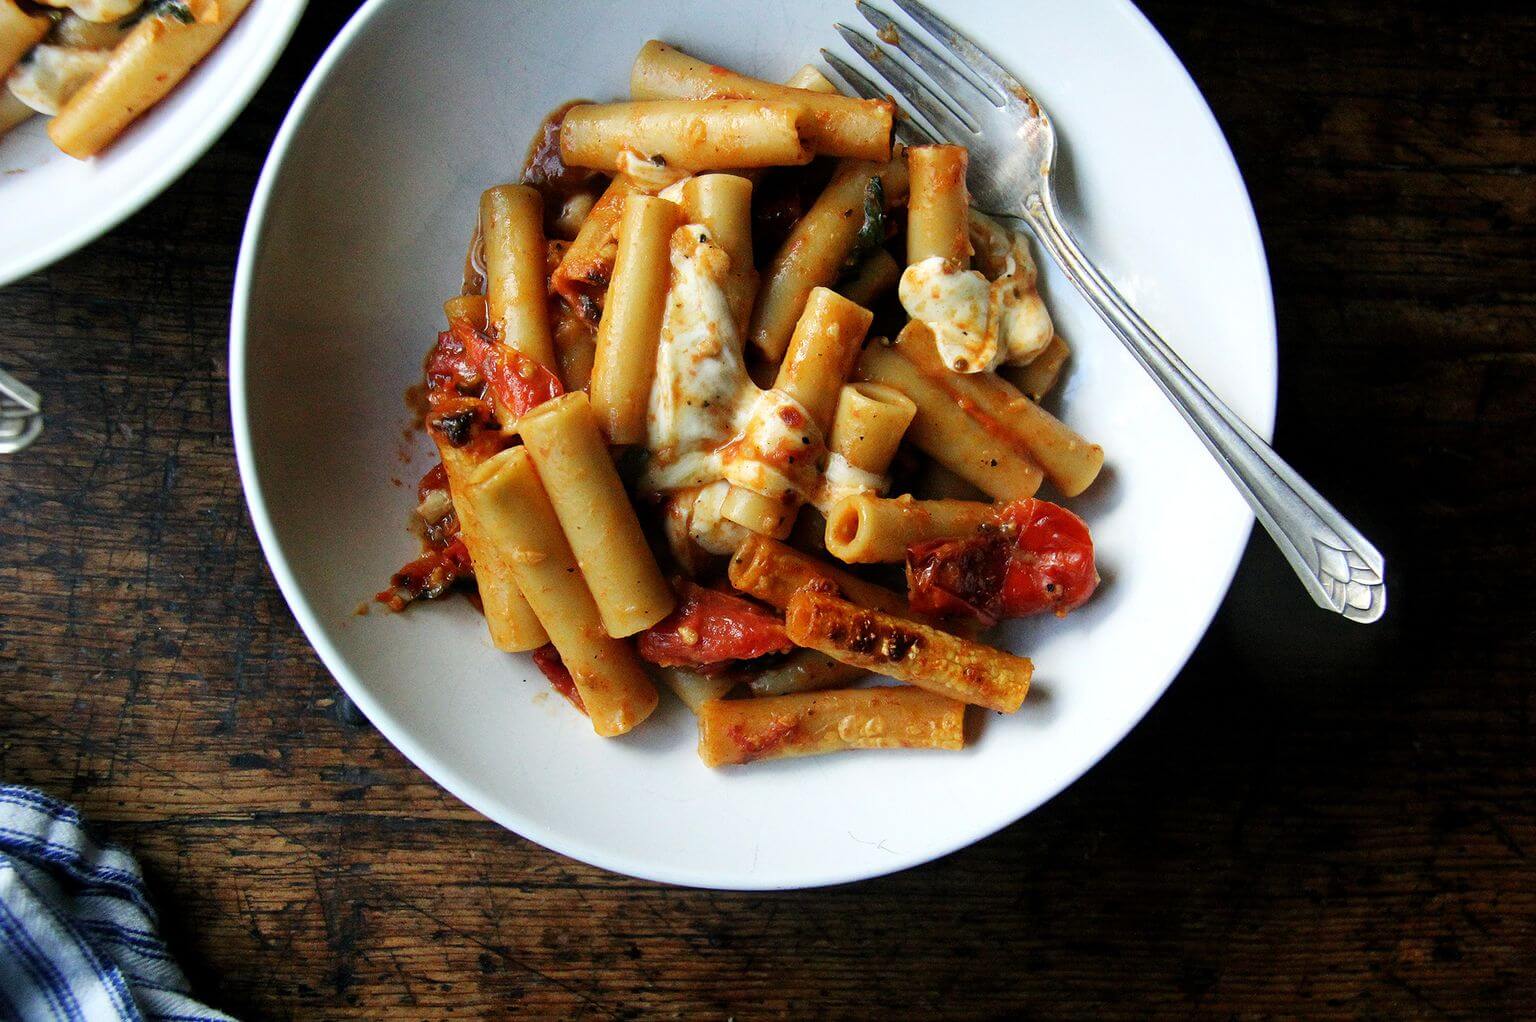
{"points": [[741, 398]]}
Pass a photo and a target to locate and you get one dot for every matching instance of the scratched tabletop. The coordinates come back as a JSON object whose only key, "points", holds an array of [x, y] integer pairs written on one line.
{"points": [[1317, 819]]}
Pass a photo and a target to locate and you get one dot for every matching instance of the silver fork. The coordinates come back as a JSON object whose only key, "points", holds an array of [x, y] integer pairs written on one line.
{"points": [[21, 414], [971, 100]]}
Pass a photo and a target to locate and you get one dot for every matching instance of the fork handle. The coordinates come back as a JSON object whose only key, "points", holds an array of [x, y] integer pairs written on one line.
{"points": [[1339, 567]]}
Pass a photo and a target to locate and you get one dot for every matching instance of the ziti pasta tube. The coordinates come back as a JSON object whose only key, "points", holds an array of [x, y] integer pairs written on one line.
{"points": [[835, 125], [625, 361], [717, 134], [467, 309], [512, 623], [526, 535], [19, 32], [584, 271], [786, 444], [1037, 378], [974, 447], [512, 233], [767, 570], [815, 723], [722, 204], [938, 206], [873, 277], [908, 651], [804, 670], [868, 529], [867, 427], [153, 59], [1069, 461], [808, 77], [595, 514], [693, 688], [817, 247]]}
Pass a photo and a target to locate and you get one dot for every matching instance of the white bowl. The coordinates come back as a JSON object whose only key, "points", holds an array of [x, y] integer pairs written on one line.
{"points": [[357, 235], [51, 204]]}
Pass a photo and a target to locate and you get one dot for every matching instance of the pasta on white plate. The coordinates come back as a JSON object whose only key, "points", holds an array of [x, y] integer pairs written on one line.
{"points": [[95, 66], [710, 355]]}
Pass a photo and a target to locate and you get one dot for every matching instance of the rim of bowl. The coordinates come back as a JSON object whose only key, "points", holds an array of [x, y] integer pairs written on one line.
{"points": [[466, 788], [188, 151]]}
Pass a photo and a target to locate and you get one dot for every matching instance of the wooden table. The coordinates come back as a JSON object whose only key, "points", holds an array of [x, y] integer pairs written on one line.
{"points": [[1318, 818]]}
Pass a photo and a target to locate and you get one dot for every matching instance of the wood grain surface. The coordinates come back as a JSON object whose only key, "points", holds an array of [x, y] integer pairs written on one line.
{"points": [[1318, 819]]}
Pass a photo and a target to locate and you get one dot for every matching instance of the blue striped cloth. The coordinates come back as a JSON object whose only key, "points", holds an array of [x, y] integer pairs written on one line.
{"points": [[78, 938]]}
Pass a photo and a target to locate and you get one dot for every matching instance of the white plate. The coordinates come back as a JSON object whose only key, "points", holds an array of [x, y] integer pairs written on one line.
{"points": [[51, 204], [356, 236]]}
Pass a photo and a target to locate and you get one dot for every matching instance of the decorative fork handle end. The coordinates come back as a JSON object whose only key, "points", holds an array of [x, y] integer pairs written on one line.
{"points": [[1339, 567]]}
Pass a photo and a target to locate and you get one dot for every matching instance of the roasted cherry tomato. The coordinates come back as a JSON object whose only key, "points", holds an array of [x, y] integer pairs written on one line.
{"points": [[709, 627], [1035, 556], [467, 359]]}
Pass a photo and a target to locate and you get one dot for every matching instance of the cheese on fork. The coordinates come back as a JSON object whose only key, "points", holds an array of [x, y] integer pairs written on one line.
{"points": [[984, 317]]}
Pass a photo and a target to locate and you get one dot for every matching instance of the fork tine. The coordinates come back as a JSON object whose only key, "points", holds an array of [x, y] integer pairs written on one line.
{"points": [[907, 127], [918, 96], [951, 82], [972, 57]]}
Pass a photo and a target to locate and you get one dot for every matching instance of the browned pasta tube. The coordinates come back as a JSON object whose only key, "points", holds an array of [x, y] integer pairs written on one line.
{"points": [[816, 249], [908, 651], [868, 529], [625, 362], [836, 125], [526, 535], [147, 64], [717, 134], [772, 572], [938, 207], [814, 723], [516, 297], [595, 514], [1037, 378]]}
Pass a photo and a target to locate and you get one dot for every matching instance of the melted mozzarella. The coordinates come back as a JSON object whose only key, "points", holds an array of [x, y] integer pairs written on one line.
{"points": [[778, 449], [984, 317], [1003, 256], [701, 394], [843, 479], [52, 74], [707, 524], [653, 177], [955, 304]]}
